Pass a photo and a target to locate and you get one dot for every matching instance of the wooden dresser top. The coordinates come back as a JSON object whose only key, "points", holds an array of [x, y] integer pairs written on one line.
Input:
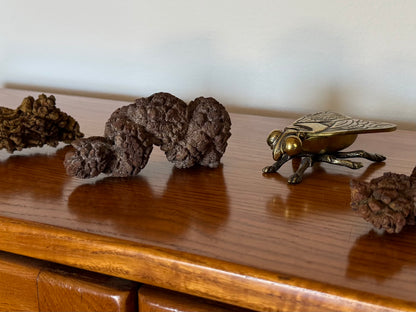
{"points": [[230, 234]]}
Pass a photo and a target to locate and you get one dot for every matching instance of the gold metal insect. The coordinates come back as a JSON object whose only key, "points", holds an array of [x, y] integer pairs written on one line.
{"points": [[320, 137]]}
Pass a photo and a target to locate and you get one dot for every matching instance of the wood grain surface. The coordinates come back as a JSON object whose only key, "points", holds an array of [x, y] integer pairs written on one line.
{"points": [[229, 234]]}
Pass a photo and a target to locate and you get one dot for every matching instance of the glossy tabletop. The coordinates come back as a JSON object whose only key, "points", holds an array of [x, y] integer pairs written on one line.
{"points": [[230, 234]]}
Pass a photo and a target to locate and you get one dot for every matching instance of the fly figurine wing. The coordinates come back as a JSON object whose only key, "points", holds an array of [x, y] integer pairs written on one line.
{"points": [[330, 123]]}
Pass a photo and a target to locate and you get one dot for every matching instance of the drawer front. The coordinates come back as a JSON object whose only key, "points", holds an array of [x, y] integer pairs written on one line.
{"points": [[18, 276], [32, 285], [153, 299], [76, 290]]}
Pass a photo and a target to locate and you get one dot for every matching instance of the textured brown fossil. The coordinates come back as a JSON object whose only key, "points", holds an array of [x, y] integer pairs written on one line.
{"points": [[35, 123], [388, 202], [188, 134]]}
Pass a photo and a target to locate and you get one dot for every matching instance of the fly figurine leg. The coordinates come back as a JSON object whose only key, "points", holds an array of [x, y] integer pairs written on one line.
{"points": [[334, 158], [361, 154], [276, 166], [297, 177]]}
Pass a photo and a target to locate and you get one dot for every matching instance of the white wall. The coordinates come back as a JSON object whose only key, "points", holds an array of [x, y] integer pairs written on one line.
{"points": [[355, 57]]}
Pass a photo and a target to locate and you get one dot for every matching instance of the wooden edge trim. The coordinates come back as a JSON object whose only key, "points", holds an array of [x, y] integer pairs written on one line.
{"points": [[195, 275]]}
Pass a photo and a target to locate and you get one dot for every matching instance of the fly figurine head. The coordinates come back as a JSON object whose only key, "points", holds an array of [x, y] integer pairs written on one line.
{"points": [[287, 142]]}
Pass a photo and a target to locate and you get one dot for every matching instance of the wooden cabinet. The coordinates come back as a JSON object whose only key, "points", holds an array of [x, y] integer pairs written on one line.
{"points": [[221, 237], [27, 284]]}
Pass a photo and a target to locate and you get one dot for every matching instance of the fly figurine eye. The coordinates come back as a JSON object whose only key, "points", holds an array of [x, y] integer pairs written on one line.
{"points": [[293, 145], [320, 137]]}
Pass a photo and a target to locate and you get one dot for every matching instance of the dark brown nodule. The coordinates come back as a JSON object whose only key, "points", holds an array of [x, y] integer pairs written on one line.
{"points": [[387, 202], [188, 134], [36, 123]]}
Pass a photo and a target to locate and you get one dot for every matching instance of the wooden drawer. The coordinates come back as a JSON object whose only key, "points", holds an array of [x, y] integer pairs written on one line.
{"points": [[76, 290], [31, 285], [153, 299], [18, 283]]}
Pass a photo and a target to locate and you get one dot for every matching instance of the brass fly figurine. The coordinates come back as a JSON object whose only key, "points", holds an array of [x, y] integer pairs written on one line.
{"points": [[320, 137]]}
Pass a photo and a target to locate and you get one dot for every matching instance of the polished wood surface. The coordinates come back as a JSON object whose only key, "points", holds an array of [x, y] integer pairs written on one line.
{"points": [[229, 234]]}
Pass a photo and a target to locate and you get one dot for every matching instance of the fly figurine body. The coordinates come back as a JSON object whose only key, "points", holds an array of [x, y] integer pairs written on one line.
{"points": [[320, 137]]}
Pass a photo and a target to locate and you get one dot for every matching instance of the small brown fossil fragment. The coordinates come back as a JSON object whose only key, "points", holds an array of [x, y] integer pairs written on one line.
{"points": [[35, 123], [388, 202], [188, 134]]}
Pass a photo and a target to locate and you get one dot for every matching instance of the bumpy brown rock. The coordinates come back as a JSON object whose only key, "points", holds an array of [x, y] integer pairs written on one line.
{"points": [[388, 202], [35, 123], [188, 134]]}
